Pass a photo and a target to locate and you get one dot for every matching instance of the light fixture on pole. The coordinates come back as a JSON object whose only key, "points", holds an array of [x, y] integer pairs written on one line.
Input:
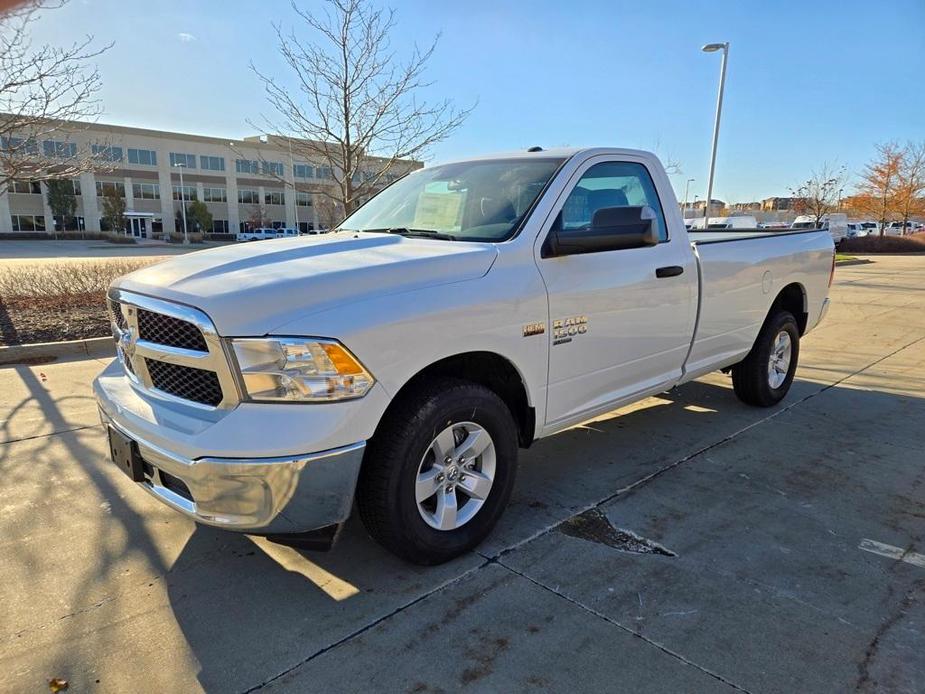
{"points": [[712, 48], [687, 189], [180, 165]]}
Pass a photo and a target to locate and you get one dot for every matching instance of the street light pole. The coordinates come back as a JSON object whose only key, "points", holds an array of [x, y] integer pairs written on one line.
{"points": [[180, 165], [710, 48], [687, 189], [295, 194]]}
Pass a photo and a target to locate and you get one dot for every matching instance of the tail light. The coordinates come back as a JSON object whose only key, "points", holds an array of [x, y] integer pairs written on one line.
{"points": [[832, 271]]}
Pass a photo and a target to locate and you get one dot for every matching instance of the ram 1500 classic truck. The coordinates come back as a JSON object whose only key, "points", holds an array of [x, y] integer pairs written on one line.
{"points": [[400, 361]]}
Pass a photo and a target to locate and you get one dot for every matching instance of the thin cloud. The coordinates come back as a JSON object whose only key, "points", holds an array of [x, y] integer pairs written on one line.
{"points": [[185, 38]]}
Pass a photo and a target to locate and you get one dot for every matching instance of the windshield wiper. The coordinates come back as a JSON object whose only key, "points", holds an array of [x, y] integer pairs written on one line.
{"points": [[417, 233]]}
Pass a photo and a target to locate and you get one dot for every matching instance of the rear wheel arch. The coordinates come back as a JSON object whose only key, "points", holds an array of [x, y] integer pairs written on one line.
{"points": [[793, 299]]}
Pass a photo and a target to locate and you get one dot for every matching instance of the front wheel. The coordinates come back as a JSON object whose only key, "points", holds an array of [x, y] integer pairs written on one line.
{"points": [[439, 471], [764, 377]]}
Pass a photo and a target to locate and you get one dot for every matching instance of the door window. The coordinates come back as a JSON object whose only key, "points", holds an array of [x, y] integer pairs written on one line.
{"points": [[610, 184]]}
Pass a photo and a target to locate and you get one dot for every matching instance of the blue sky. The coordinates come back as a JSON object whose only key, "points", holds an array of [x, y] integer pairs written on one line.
{"points": [[807, 81]]}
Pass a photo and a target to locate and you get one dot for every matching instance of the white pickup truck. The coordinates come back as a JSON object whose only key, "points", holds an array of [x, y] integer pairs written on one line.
{"points": [[401, 360]]}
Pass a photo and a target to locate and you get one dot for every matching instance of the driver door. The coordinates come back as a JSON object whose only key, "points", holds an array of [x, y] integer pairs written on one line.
{"points": [[621, 319]]}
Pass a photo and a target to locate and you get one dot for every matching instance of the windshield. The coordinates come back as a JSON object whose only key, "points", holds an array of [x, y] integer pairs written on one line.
{"points": [[470, 201]]}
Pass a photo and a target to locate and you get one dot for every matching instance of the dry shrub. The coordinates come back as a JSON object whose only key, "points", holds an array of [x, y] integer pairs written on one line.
{"points": [[71, 282], [884, 244], [119, 238]]}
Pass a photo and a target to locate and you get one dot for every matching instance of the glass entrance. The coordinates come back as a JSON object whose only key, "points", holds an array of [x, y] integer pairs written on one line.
{"points": [[139, 227]]}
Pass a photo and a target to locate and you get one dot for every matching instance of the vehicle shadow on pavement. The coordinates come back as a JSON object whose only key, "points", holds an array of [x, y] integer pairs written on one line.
{"points": [[250, 610]]}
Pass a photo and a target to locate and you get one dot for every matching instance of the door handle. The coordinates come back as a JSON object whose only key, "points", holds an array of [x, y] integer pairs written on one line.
{"points": [[669, 271]]}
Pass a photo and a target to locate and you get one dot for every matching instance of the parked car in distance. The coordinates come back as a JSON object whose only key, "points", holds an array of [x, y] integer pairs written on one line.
{"points": [[835, 223], [735, 222], [258, 234], [856, 230], [899, 228], [399, 362], [286, 232]]}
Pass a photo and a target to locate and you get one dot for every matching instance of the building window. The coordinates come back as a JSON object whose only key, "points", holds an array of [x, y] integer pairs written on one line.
{"points": [[303, 171], [146, 191], [73, 184], [104, 188], [278, 225], [147, 157], [248, 197], [17, 145], [214, 195], [61, 150], [186, 160], [248, 166], [305, 227], [28, 222], [107, 152], [272, 168], [325, 172], [303, 199], [211, 163], [274, 197], [29, 187], [186, 193], [219, 226]]}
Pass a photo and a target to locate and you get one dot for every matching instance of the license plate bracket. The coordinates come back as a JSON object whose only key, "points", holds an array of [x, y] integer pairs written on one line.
{"points": [[124, 453]]}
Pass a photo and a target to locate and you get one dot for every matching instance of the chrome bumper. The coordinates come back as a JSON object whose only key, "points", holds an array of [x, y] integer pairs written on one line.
{"points": [[262, 495]]}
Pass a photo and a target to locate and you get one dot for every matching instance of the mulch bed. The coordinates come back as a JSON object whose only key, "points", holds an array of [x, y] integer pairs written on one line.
{"points": [[884, 244], [25, 320]]}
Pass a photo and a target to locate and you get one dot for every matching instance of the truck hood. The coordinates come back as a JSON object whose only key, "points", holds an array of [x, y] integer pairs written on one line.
{"points": [[249, 289]]}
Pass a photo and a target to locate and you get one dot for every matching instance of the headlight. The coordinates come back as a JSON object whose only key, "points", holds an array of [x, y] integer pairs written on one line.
{"points": [[299, 370]]}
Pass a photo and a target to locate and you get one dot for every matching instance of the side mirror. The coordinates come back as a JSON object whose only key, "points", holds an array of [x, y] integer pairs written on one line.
{"points": [[612, 229]]}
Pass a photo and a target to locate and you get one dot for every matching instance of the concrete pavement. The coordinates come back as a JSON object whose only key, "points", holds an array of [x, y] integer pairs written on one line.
{"points": [[685, 543]]}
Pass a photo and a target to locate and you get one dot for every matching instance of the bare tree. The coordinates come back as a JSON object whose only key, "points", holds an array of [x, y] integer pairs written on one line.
{"points": [[114, 210], [257, 217], [910, 184], [820, 194], [355, 105], [878, 190], [42, 87]]}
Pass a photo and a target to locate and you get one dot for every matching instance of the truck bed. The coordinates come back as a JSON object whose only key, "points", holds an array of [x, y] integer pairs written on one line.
{"points": [[700, 237]]}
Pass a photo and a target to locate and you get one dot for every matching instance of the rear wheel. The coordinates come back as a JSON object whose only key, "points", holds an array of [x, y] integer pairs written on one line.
{"points": [[439, 471], [764, 377]]}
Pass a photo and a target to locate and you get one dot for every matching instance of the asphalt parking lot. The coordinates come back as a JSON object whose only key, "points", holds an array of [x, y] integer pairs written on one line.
{"points": [[37, 252], [686, 543]]}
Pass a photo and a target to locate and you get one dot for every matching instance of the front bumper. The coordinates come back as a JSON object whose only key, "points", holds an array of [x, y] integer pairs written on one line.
{"points": [[265, 495], [244, 469]]}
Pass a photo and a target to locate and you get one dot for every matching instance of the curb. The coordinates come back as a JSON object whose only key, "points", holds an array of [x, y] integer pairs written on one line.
{"points": [[856, 261], [91, 347]]}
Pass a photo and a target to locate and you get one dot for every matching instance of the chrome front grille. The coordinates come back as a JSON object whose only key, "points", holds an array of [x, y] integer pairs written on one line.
{"points": [[115, 314], [167, 330], [185, 382], [171, 351]]}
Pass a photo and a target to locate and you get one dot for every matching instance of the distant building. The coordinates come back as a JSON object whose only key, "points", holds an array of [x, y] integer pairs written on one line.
{"points": [[746, 206], [774, 204], [255, 181], [715, 204]]}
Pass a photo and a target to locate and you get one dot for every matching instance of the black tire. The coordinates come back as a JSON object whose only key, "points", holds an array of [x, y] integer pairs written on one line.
{"points": [[750, 376], [386, 488]]}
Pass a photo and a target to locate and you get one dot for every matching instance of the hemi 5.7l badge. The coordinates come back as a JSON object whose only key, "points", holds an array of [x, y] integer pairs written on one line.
{"points": [[537, 328], [564, 329]]}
